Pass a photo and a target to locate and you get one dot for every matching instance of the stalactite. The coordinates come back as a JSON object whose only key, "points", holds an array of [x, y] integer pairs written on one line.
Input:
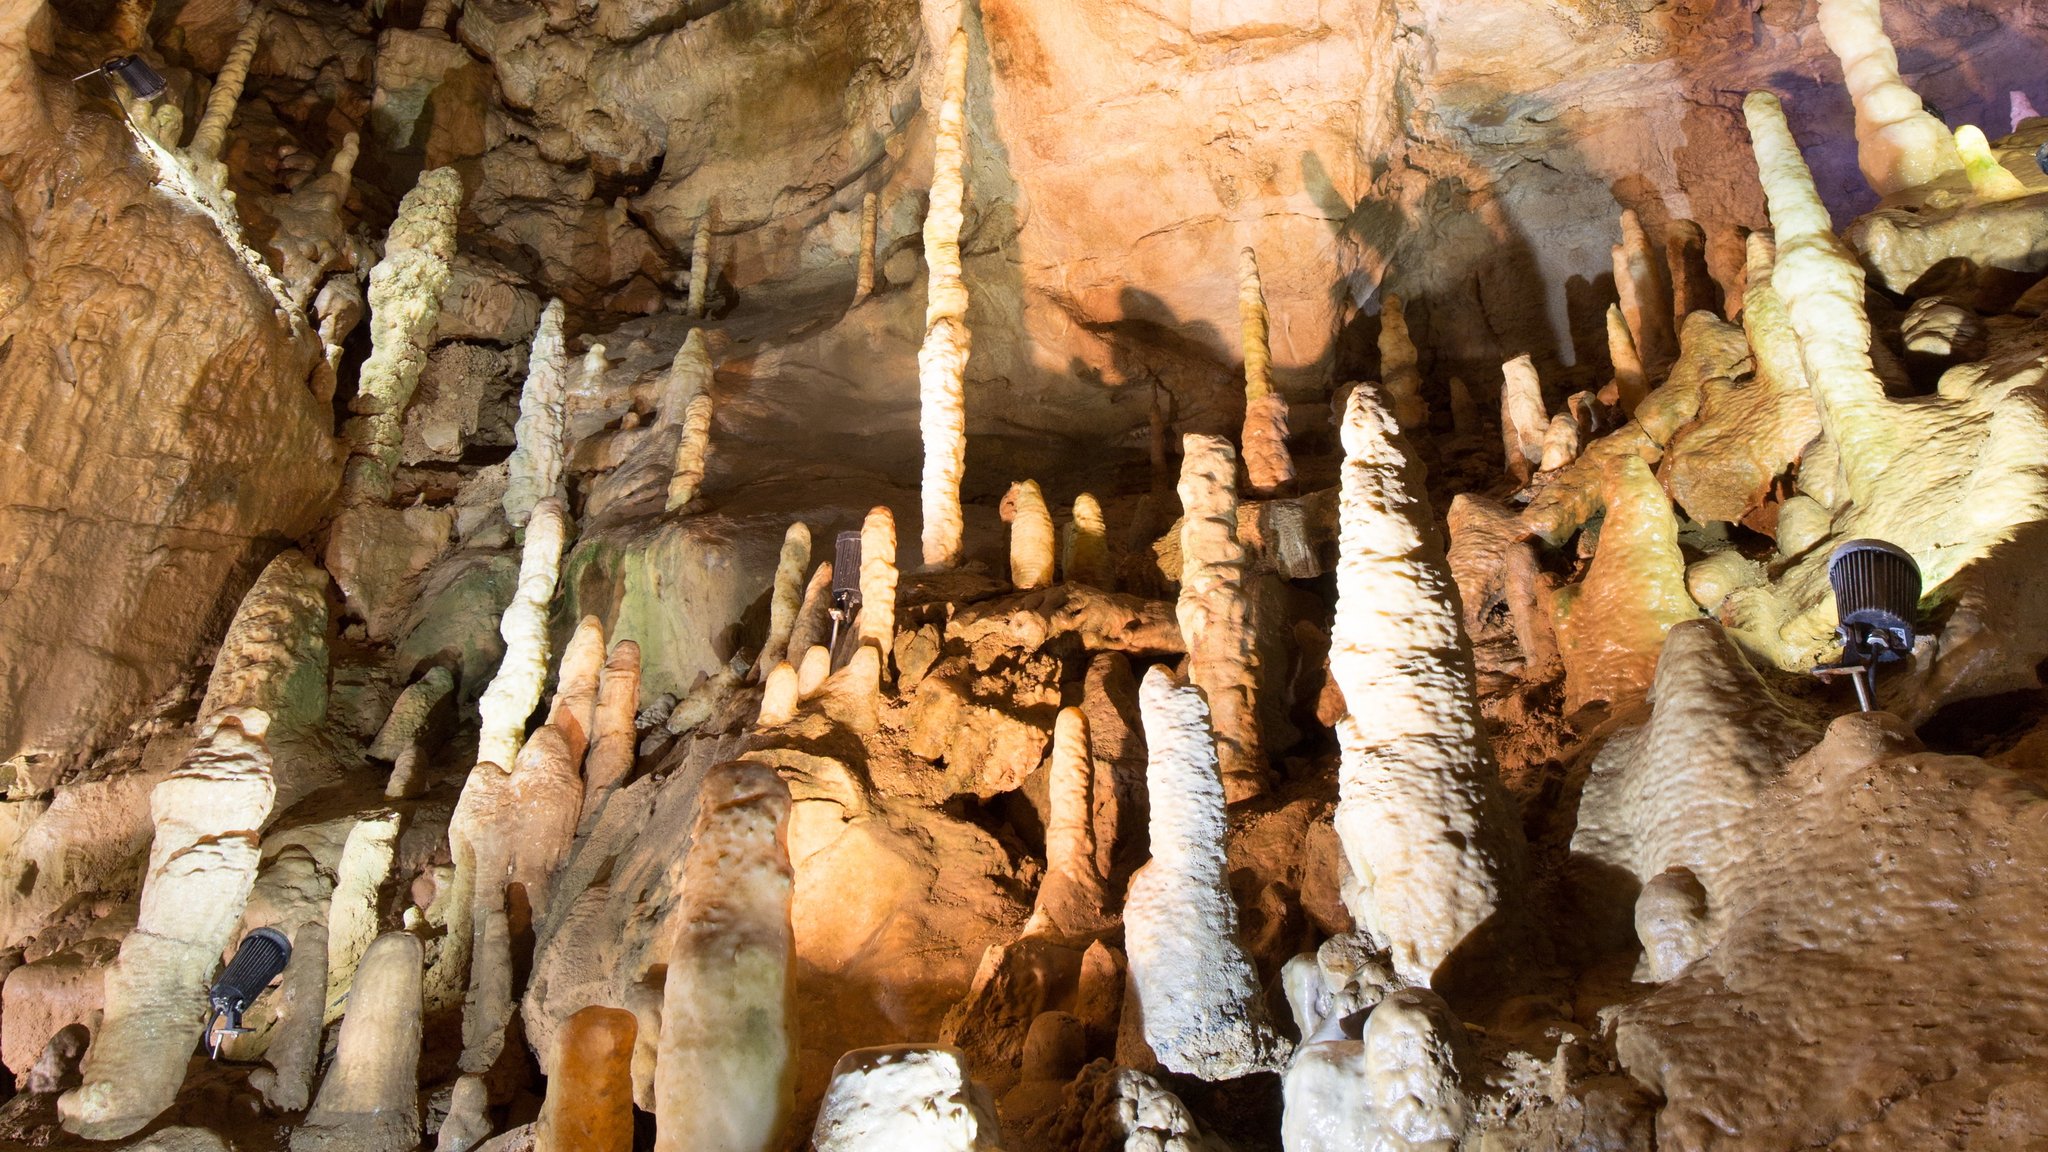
{"points": [[1899, 145], [1425, 825], [1398, 372], [534, 472], [1087, 551], [787, 597], [1215, 613], [942, 361], [725, 1077], [1198, 995], [369, 1101], [1031, 536], [1071, 900], [864, 276], [203, 154], [405, 303], [877, 623], [1629, 384], [1523, 417], [700, 267], [1269, 468], [691, 451]]}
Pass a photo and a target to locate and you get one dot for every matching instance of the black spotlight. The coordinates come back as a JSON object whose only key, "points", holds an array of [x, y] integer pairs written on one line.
{"points": [[260, 956], [135, 73], [845, 582], [1877, 594], [2041, 156]]}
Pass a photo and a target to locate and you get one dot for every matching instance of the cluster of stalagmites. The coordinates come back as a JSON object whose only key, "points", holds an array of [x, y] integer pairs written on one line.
{"points": [[1774, 417]]}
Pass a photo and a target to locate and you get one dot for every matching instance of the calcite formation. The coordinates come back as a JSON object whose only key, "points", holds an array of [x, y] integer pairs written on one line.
{"points": [[1197, 994], [942, 360], [536, 465], [515, 690], [369, 1098], [904, 1096], [1398, 372], [1434, 856], [1611, 627], [1031, 540], [725, 1072], [1899, 144], [1214, 610], [590, 1100], [876, 624], [1072, 898]]}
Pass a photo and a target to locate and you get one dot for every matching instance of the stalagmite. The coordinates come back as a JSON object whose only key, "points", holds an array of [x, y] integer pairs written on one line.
{"points": [[534, 472], [942, 361], [1199, 998], [572, 710], [1685, 265], [1899, 145], [1424, 823], [1269, 467], [877, 622], [1822, 286], [1398, 372], [864, 276], [788, 595], [515, 690], [1611, 628], [780, 695], [1561, 442], [725, 1076], [814, 619], [814, 671], [203, 154], [294, 1050], [1523, 418], [689, 376], [589, 1106], [369, 1100], [1071, 899], [1031, 538], [1629, 384], [700, 268], [903, 1097], [1215, 613], [1464, 409], [612, 734], [690, 452], [202, 863], [1988, 178], [405, 304], [1087, 551], [1645, 296]]}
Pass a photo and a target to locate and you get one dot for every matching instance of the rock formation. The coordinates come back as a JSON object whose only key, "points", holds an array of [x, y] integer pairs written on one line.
{"points": [[1899, 144], [1197, 994], [942, 361], [368, 1099], [536, 465], [1031, 539], [1215, 612], [905, 1096], [725, 1075]]}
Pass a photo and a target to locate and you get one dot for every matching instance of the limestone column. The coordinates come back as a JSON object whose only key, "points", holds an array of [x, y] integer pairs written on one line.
{"points": [[1215, 614], [725, 1073]]}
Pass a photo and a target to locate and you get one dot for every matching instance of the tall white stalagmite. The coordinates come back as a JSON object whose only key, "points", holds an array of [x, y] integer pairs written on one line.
{"points": [[700, 267], [1071, 898], [203, 154], [942, 361], [864, 276], [369, 1100], [1899, 145], [725, 1073], [1398, 372], [534, 472], [1425, 826], [202, 863], [405, 304], [877, 622], [1198, 995], [1031, 537], [515, 690], [1215, 613]]}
